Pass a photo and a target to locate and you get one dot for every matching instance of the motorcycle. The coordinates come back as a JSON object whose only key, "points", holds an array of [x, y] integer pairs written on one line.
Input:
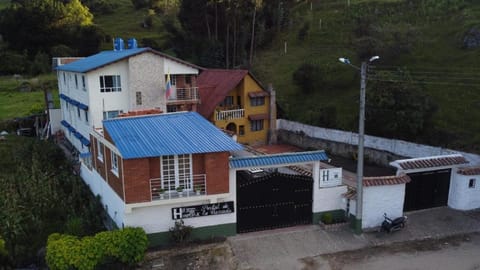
{"points": [[390, 225]]}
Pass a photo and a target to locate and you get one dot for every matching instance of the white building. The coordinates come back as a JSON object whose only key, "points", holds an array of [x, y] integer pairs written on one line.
{"points": [[106, 84]]}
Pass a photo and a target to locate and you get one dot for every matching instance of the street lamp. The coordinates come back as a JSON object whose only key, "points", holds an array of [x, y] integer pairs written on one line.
{"points": [[361, 139]]}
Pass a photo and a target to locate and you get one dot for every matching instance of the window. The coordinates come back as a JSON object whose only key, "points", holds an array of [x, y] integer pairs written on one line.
{"points": [[111, 114], [471, 183], [78, 113], [228, 101], [138, 96], [257, 101], [176, 172], [114, 163], [99, 150], [86, 116], [84, 85], [256, 125], [76, 82], [241, 130], [239, 101], [188, 79], [64, 78], [110, 83], [172, 108]]}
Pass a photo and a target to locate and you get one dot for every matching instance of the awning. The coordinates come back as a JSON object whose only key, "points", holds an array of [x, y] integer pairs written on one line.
{"points": [[260, 116], [71, 129], [258, 94], [84, 155], [85, 141], [65, 123], [78, 135], [82, 106]]}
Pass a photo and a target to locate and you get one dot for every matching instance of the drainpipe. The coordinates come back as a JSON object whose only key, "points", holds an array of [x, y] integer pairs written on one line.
{"points": [[272, 131]]}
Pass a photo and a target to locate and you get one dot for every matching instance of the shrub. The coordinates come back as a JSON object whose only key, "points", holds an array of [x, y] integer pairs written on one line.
{"points": [[327, 218], [126, 246], [307, 77], [180, 232]]}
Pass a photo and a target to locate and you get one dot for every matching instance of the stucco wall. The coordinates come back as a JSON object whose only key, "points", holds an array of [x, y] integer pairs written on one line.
{"points": [[380, 150], [382, 199], [461, 196], [328, 199], [110, 200], [148, 77]]}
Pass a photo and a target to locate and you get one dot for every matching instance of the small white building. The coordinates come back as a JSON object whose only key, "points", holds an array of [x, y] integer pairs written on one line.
{"points": [[465, 189]]}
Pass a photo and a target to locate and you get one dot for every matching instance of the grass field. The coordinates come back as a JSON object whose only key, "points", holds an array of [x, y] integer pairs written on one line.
{"points": [[448, 71]]}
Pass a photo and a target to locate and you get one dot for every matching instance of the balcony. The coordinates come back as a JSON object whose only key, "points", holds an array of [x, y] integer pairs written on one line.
{"points": [[184, 95], [189, 187], [230, 114]]}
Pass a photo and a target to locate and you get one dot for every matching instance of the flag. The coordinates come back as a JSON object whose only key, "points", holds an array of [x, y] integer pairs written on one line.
{"points": [[168, 87]]}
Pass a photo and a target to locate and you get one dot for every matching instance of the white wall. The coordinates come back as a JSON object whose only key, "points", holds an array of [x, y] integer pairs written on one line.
{"points": [[378, 200], [327, 199], [55, 118], [462, 197], [158, 218], [174, 67], [110, 200], [399, 147]]}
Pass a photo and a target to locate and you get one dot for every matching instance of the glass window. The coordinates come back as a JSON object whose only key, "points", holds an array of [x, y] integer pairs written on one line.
{"points": [[257, 101], [78, 113], [471, 183], [84, 85], [99, 150], [188, 79], [176, 172], [241, 130], [256, 125], [228, 101], [138, 96], [86, 116], [114, 163], [111, 114], [110, 83], [76, 81]]}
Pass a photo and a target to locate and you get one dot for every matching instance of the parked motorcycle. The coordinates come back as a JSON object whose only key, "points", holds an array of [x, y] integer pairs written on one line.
{"points": [[390, 225]]}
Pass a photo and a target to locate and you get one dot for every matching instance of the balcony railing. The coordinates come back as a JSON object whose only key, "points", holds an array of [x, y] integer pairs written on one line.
{"points": [[173, 188], [230, 114], [185, 95]]}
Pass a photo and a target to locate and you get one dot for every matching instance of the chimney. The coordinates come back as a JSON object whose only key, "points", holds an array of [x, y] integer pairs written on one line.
{"points": [[272, 131]]}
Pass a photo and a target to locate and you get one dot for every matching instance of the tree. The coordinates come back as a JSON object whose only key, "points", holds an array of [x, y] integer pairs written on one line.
{"points": [[397, 106]]}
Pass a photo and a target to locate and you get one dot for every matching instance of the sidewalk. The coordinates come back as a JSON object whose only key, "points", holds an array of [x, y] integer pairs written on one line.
{"points": [[282, 248]]}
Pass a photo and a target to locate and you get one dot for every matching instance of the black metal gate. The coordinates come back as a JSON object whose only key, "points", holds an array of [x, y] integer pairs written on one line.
{"points": [[272, 200], [427, 190]]}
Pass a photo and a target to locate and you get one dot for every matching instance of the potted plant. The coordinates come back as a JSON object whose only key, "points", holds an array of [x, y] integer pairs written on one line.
{"points": [[198, 189], [161, 192], [179, 191]]}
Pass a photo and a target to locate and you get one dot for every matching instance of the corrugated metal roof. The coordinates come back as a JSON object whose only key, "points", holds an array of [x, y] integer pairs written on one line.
{"points": [[214, 85], [277, 159], [100, 59], [108, 57], [430, 162], [167, 134]]}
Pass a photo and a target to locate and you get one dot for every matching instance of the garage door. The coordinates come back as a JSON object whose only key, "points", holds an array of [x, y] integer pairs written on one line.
{"points": [[427, 190], [272, 200]]}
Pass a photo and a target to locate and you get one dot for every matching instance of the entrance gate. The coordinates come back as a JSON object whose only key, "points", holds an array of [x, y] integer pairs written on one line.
{"points": [[427, 190], [272, 200]]}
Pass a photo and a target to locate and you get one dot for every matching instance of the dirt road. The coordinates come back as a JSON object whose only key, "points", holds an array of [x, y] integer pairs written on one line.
{"points": [[458, 253]]}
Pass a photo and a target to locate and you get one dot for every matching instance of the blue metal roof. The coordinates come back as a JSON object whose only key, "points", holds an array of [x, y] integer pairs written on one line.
{"points": [[167, 134], [277, 159], [100, 59]]}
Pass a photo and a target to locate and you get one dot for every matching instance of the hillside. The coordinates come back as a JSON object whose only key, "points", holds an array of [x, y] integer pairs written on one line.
{"points": [[434, 55]]}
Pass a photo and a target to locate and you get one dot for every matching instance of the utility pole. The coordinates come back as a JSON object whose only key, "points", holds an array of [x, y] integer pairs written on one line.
{"points": [[361, 139]]}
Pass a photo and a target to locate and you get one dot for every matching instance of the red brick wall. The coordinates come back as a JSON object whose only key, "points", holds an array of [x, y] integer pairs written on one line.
{"points": [[198, 163], [115, 182], [216, 168], [137, 180], [154, 167]]}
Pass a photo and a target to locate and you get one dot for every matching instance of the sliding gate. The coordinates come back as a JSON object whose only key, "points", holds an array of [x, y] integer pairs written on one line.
{"points": [[272, 200]]}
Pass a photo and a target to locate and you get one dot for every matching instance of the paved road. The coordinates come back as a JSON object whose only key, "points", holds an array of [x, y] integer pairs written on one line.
{"points": [[458, 253]]}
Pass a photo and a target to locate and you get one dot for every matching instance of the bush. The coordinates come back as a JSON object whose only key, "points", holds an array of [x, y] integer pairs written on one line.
{"points": [[126, 246], [307, 77], [138, 4], [327, 218], [180, 232]]}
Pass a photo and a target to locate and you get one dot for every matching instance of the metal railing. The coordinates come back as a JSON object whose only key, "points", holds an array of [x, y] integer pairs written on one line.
{"points": [[230, 114], [173, 188], [189, 94]]}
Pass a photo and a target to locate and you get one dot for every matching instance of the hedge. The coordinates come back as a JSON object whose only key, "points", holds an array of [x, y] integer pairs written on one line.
{"points": [[66, 251]]}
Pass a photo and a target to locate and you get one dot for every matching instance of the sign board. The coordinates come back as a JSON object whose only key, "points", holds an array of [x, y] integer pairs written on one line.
{"points": [[330, 177], [202, 210]]}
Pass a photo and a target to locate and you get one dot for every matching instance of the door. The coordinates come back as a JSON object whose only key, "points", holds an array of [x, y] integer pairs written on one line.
{"points": [[427, 190]]}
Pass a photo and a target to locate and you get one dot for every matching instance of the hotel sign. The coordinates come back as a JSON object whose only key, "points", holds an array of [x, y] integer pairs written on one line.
{"points": [[202, 210]]}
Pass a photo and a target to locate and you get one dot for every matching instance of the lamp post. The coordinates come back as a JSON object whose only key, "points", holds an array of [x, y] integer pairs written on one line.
{"points": [[361, 139]]}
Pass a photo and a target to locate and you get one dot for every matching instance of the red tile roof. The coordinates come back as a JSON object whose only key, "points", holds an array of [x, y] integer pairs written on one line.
{"points": [[214, 85], [350, 194], [259, 116], [439, 161], [469, 171], [386, 180]]}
